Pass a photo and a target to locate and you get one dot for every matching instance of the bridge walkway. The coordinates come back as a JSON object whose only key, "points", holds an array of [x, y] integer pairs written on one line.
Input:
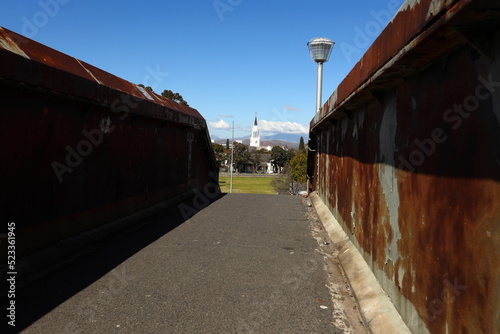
{"points": [[245, 263]]}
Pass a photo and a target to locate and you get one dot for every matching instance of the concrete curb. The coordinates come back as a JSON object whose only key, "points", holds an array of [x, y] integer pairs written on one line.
{"points": [[46, 260], [376, 308]]}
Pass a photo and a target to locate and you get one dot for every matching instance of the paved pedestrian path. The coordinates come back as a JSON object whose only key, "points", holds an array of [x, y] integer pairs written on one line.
{"points": [[244, 264]]}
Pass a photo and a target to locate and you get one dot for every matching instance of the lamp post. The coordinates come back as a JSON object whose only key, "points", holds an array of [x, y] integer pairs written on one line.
{"points": [[320, 49]]}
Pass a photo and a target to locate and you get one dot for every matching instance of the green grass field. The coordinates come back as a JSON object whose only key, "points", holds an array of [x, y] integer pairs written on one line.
{"points": [[247, 185]]}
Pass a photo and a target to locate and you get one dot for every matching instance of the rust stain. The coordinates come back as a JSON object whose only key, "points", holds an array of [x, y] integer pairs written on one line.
{"points": [[408, 160], [7, 43], [15, 44], [409, 27], [116, 149]]}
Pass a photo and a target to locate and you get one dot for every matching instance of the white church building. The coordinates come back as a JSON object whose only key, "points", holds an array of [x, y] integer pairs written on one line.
{"points": [[255, 138]]}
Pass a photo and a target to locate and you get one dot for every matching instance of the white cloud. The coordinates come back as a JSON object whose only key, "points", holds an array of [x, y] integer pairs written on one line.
{"points": [[292, 108], [282, 127], [221, 124]]}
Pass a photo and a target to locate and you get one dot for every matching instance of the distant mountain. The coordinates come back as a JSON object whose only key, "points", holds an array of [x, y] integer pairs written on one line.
{"points": [[285, 137], [288, 137], [281, 139], [276, 142]]}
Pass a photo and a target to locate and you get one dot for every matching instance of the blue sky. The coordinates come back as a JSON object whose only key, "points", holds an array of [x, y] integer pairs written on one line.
{"points": [[229, 59]]}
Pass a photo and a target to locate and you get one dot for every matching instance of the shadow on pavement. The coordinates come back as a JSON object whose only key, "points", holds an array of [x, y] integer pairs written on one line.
{"points": [[38, 298]]}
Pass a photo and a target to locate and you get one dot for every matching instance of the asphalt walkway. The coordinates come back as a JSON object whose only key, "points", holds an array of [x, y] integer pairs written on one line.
{"points": [[244, 264]]}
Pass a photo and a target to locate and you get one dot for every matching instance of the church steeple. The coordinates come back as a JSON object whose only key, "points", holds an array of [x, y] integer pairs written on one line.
{"points": [[255, 138]]}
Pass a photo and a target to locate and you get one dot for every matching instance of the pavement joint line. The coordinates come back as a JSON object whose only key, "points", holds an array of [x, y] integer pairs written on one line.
{"points": [[376, 308]]}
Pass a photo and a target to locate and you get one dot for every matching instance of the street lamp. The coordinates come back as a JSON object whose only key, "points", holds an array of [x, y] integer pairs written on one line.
{"points": [[320, 49]]}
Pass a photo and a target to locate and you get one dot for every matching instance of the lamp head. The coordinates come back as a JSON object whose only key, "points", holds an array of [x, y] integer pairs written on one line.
{"points": [[320, 49]]}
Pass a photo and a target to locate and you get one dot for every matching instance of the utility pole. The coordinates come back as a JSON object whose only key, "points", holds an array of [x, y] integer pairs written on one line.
{"points": [[231, 166]]}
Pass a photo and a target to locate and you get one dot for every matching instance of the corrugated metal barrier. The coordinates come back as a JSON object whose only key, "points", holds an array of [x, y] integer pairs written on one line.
{"points": [[406, 154], [81, 147]]}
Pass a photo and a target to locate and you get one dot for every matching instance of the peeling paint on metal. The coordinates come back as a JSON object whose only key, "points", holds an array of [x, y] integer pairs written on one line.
{"points": [[89, 72], [7, 43], [145, 93], [408, 4], [387, 175]]}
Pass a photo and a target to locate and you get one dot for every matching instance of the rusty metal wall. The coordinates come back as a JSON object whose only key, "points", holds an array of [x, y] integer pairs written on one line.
{"points": [[406, 154], [81, 147]]}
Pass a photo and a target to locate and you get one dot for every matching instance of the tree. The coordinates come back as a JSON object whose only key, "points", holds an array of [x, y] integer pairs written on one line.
{"points": [[298, 167], [301, 144], [218, 148], [148, 88], [255, 159], [241, 155], [174, 96], [227, 144], [280, 156]]}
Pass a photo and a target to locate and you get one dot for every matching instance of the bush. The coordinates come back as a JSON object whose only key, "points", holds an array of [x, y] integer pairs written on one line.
{"points": [[298, 167], [281, 184]]}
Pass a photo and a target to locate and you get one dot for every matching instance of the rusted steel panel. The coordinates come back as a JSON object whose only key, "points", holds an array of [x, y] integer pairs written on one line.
{"points": [[414, 22], [83, 147], [56, 63], [410, 166]]}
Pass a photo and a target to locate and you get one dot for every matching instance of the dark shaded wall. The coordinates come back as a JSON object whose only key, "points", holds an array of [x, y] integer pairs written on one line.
{"points": [[82, 147], [407, 158]]}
